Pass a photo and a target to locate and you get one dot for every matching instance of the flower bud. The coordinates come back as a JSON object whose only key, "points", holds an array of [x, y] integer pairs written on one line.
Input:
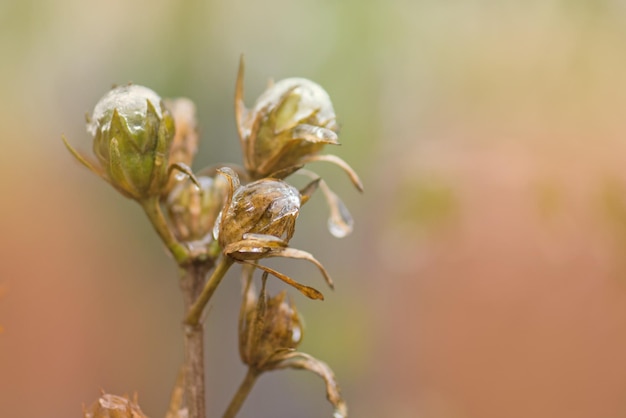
{"points": [[194, 210], [291, 120], [267, 206], [268, 326], [258, 220], [285, 130], [132, 133]]}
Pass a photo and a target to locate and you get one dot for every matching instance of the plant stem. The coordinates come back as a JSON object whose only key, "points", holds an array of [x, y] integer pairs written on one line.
{"points": [[176, 398], [242, 393], [194, 313], [153, 211], [192, 279]]}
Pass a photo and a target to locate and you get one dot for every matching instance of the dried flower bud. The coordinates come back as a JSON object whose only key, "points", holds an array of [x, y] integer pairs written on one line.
{"points": [[286, 129], [258, 220], [270, 330], [193, 210], [267, 206], [185, 143], [292, 119], [267, 327], [113, 406], [132, 134]]}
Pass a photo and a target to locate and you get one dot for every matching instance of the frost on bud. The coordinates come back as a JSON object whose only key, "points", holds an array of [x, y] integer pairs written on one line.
{"points": [[194, 210], [132, 134], [291, 120], [113, 406]]}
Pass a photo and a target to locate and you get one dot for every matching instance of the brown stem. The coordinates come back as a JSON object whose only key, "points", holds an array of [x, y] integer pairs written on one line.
{"points": [[242, 393], [192, 280]]}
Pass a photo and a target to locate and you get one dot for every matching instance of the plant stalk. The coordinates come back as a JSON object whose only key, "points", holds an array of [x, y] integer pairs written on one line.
{"points": [[194, 313], [155, 215], [242, 393], [192, 281]]}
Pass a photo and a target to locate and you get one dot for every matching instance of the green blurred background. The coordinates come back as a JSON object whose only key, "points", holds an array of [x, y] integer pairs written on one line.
{"points": [[486, 274]]}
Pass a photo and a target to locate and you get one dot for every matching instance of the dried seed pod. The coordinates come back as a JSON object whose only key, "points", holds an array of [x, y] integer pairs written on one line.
{"points": [[113, 406], [292, 119], [286, 129], [132, 135], [194, 210], [258, 220], [270, 330], [267, 206], [268, 326]]}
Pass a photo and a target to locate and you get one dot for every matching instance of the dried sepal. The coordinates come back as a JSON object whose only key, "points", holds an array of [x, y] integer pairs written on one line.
{"points": [[333, 159], [307, 291], [268, 325], [114, 406], [184, 146], [303, 361], [193, 207], [85, 160]]}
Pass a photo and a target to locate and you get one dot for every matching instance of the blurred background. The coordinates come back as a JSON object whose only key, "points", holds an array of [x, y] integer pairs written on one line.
{"points": [[486, 276]]}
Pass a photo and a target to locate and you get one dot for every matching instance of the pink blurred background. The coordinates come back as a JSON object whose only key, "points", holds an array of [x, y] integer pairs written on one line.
{"points": [[486, 276]]}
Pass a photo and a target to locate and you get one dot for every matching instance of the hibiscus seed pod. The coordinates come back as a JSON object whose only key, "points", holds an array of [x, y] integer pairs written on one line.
{"points": [[132, 134], [269, 326], [194, 210], [292, 120]]}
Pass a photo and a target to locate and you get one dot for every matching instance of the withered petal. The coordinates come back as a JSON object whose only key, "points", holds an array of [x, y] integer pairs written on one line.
{"points": [[298, 360]]}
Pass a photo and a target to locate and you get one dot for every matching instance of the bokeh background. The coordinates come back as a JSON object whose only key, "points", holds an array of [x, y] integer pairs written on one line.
{"points": [[486, 277]]}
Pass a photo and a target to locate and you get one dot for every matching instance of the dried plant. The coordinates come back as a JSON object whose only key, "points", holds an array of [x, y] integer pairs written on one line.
{"points": [[210, 220]]}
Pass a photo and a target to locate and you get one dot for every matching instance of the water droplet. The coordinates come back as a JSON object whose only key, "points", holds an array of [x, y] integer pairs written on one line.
{"points": [[338, 229], [338, 414], [296, 334], [340, 222], [315, 134]]}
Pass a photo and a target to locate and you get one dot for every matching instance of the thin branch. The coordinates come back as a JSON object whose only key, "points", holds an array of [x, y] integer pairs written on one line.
{"points": [[155, 215], [242, 393], [194, 313]]}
